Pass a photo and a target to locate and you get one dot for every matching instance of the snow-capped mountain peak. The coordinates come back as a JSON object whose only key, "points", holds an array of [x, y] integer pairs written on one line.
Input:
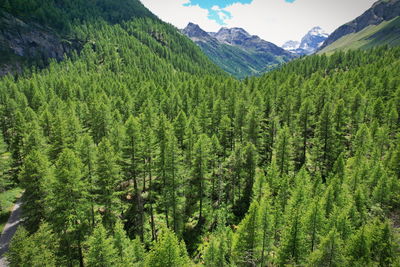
{"points": [[291, 45], [309, 43], [318, 31]]}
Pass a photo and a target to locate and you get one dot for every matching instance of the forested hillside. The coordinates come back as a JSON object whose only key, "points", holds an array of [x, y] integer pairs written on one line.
{"points": [[138, 151]]}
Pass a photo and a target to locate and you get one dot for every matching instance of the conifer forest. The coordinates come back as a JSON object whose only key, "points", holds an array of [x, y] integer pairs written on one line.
{"points": [[136, 150]]}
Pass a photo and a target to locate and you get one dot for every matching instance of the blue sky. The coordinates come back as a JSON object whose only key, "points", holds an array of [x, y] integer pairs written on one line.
{"points": [[276, 21], [216, 8]]}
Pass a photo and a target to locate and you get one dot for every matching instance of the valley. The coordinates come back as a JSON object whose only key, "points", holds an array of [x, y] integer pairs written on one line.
{"points": [[146, 145]]}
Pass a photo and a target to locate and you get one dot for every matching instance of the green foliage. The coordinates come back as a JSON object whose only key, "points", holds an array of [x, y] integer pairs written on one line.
{"points": [[106, 183], [167, 251], [36, 250], [101, 250], [68, 204], [330, 252], [217, 252], [35, 179], [140, 126], [247, 239]]}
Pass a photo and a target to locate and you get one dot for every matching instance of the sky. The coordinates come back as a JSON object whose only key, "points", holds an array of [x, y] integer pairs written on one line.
{"points": [[276, 21]]}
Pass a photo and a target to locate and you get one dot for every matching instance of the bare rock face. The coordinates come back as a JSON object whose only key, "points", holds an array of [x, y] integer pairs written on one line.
{"points": [[241, 38], [21, 42]]}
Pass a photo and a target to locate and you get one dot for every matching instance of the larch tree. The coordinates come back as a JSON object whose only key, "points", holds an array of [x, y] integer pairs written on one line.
{"points": [[283, 150], [87, 151], [101, 251], [69, 205], [304, 121], [292, 248], [107, 181], [174, 183], [247, 238], [329, 252], [35, 177], [200, 171], [167, 251], [324, 141], [132, 170]]}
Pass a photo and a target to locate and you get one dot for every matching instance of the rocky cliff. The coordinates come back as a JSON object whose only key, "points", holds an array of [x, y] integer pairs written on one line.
{"points": [[22, 42]]}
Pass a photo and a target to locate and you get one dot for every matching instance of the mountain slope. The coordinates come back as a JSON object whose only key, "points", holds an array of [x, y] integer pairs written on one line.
{"points": [[237, 52], [30, 37], [377, 26], [138, 151], [386, 33]]}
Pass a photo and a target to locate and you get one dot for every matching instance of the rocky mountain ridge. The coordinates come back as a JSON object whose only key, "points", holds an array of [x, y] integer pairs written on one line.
{"points": [[238, 52]]}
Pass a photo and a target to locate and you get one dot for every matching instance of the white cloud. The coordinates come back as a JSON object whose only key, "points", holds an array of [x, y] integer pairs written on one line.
{"points": [[174, 12], [273, 20], [279, 21]]}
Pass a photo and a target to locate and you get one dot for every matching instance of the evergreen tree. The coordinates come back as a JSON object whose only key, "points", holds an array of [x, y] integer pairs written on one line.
{"points": [[167, 251], [133, 169], [358, 248], [266, 224], [253, 127], [101, 251], [283, 152], [87, 152], [217, 250], [149, 148], [226, 134], [200, 170], [292, 249], [304, 129], [36, 250], [247, 238], [16, 252], [106, 183], [173, 185], [324, 141], [329, 253], [314, 222], [4, 165], [69, 207], [249, 169], [35, 178]]}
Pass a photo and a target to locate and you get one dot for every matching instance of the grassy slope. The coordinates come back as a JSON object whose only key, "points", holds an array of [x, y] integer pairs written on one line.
{"points": [[388, 32]]}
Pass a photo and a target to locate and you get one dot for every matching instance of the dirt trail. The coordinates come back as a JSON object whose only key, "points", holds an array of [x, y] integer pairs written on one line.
{"points": [[8, 232]]}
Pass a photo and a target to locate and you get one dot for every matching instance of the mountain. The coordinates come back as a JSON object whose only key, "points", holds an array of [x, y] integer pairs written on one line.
{"points": [[137, 150], [291, 45], [379, 25], [33, 32], [237, 52], [240, 38], [310, 43]]}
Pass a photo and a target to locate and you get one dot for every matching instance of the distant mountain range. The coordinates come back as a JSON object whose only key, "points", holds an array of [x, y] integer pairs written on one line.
{"points": [[238, 52], [379, 25], [242, 54], [309, 44]]}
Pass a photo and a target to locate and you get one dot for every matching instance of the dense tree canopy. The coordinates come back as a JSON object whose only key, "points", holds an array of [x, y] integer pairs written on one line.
{"points": [[139, 152]]}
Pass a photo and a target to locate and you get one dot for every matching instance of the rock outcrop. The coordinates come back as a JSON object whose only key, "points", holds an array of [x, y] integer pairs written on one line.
{"points": [[22, 42]]}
